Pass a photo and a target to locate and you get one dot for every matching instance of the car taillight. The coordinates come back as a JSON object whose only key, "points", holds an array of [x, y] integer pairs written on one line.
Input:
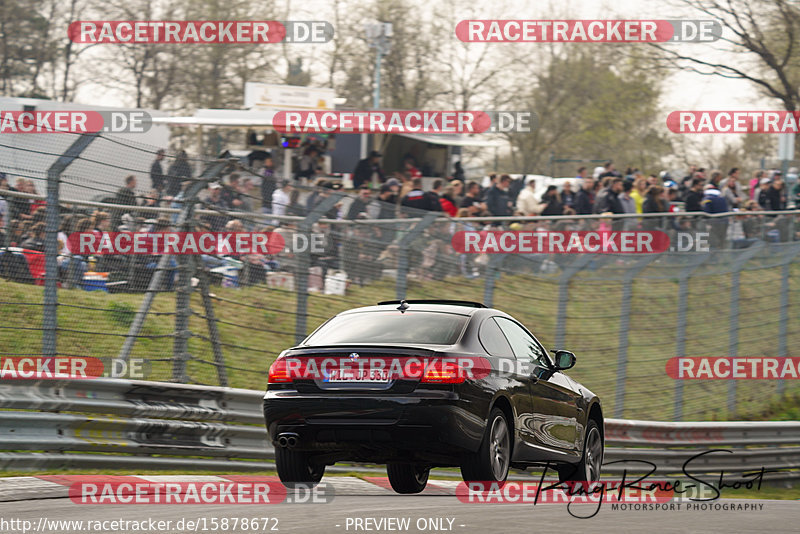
{"points": [[278, 372], [443, 372]]}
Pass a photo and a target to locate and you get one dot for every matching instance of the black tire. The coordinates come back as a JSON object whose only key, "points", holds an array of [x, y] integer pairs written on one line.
{"points": [[296, 468], [407, 478], [588, 470], [491, 462]]}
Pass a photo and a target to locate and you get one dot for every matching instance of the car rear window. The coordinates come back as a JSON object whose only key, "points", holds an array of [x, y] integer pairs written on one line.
{"points": [[425, 327]]}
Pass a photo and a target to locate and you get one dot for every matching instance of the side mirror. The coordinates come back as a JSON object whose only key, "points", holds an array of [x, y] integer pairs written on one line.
{"points": [[564, 359]]}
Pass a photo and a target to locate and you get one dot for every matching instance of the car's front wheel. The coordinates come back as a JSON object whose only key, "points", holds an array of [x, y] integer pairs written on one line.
{"points": [[296, 467], [407, 478], [588, 469], [493, 458]]}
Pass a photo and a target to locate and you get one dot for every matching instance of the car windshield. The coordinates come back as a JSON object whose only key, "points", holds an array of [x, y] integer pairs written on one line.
{"points": [[425, 327]]}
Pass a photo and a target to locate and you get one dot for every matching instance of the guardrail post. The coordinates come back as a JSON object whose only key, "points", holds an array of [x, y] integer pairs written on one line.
{"points": [[210, 174], [576, 265], [624, 322], [733, 318], [680, 336], [304, 264], [52, 216], [784, 311], [401, 284]]}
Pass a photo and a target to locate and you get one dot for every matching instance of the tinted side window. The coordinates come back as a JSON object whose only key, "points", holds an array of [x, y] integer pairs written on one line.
{"points": [[493, 340], [525, 347]]}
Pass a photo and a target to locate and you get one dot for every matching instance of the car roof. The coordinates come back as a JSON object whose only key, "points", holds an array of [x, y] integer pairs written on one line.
{"points": [[457, 307]]}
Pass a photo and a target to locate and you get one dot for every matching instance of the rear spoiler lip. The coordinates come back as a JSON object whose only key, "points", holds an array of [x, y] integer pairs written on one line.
{"points": [[369, 347], [442, 302]]}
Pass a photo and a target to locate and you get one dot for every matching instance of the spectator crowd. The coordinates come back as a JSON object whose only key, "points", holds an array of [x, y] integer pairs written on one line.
{"points": [[255, 199]]}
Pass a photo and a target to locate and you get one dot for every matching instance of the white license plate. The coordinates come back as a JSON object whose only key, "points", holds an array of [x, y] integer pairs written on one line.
{"points": [[363, 377]]}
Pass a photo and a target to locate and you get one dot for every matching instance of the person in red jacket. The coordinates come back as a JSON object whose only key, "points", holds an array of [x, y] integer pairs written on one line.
{"points": [[410, 168], [445, 201]]}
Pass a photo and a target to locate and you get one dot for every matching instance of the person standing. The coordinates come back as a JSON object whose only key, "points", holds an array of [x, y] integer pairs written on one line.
{"points": [[732, 189], [584, 199], [472, 200], [694, 196], [761, 194], [308, 165], [552, 202], [638, 192], [458, 173], [280, 198], [368, 171], [126, 196], [755, 181], [654, 203], [498, 200], [410, 168], [568, 195], [776, 194], [421, 200], [527, 203], [360, 203], [179, 171], [628, 205], [268, 185], [157, 172], [714, 202]]}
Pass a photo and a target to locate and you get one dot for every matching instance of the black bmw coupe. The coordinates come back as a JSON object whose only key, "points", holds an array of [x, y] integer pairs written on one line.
{"points": [[429, 383]]}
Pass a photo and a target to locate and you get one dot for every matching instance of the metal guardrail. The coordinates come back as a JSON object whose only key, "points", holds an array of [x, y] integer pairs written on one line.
{"points": [[106, 423]]}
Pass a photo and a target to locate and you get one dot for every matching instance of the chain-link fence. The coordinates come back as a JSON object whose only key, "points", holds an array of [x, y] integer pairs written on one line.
{"points": [[222, 318]]}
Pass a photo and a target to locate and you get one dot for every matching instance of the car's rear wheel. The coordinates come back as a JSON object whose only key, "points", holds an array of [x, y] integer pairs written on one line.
{"points": [[408, 478], [493, 458], [589, 467], [297, 468]]}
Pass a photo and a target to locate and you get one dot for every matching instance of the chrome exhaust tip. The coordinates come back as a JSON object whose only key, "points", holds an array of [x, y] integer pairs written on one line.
{"points": [[288, 439]]}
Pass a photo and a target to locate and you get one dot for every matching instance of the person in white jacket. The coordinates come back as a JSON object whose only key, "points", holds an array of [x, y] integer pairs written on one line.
{"points": [[527, 203], [280, 198], [732, 189]]}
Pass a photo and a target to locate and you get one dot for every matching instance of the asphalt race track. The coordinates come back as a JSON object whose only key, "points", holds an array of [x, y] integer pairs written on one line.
{"points": [[501, 518], [356, 499]]}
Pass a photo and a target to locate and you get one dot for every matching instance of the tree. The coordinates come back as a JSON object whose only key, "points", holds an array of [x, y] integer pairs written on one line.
{"points": [[148, 70], [213, 75], [590, 106], [26, 45], [472, 73], [763, 41]]}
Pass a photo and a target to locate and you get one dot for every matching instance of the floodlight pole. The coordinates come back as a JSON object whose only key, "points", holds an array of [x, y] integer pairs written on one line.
{"points": [[378, 35]]}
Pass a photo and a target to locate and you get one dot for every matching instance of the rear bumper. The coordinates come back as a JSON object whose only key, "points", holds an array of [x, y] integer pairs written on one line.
{"points": [[417, 426]]}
